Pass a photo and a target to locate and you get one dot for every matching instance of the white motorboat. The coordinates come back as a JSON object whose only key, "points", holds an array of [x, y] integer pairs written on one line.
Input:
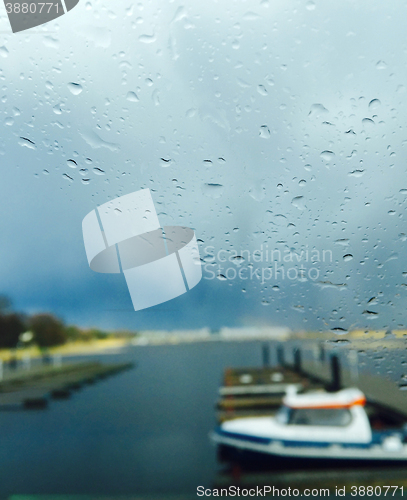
{"points": [[318, 425]]}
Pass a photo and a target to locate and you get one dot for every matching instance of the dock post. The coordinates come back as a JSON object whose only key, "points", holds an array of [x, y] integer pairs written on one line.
{"points": [[1, 370], [353, 362], [56, 360], [297, 359], [321, 353], [26, 362], [265, 350], [315, 355], [335, 373], [280, 355]]}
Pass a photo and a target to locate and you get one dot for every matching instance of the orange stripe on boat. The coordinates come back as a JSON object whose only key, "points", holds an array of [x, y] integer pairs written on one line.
{"points": [[355, 402]]}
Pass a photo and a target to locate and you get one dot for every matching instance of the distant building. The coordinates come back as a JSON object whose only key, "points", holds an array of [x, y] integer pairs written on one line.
{"points": [[254, 332], [205, 335]]}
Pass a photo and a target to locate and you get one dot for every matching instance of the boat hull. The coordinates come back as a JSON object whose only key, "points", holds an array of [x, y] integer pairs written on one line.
{"points": [[344, 452]]}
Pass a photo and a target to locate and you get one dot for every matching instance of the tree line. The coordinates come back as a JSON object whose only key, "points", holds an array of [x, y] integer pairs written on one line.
{"points": [[46, 329]]}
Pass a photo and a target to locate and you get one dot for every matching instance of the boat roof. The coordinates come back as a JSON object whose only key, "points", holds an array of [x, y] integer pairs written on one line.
{"points": [[342, 399]]}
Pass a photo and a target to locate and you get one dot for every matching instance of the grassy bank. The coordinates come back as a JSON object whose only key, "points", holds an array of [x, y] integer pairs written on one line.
{"points": [[76, 348]]}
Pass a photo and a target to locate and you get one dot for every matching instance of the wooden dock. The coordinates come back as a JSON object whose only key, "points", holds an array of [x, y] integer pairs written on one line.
{"points": [[258, 391], [35, 388]]}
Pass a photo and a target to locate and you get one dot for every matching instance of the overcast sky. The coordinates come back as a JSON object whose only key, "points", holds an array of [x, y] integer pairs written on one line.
{"points": [[264, 124]]}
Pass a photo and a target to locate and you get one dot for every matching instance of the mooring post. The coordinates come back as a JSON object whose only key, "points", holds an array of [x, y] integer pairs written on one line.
{"points": [[335, 373], [57, 360], [1, 370], [315, 354], [297, 359], [26, 362], [266, 354], [321, 353], [280, 355], [353, 362]]}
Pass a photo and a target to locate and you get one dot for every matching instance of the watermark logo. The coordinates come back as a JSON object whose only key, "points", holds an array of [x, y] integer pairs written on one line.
{"points": [[158, 263], [264, 264], [25, 15]]}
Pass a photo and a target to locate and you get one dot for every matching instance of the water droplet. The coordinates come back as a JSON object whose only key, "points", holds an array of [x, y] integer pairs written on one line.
{"points": [[208, 258], [51, 42], [251, 16], [317, 109], [27, 143], [132, 97], [264, 132], [97, 142], [339, 331], [3, 51], [261, 89], [368, 123], [343, 242], [98, 171], [329, 284], [381, 65], [72, 163], [280, 220], [221, 277], [370, 314], [298, 202], [374, 104], [156, 97], [258, 191], [166, 162], [67, 177], [327, 155], [356, 173], [147, 38], [347, 257], [213, 191], [310, 5], [75, 88], [99, 36]]}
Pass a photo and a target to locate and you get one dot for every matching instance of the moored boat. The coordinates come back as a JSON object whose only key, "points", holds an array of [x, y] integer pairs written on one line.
{"points": [[319, 425]]}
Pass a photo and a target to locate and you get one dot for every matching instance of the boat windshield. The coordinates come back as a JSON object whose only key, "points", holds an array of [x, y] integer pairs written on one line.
{"points": [[283, 415], [320, 416]]}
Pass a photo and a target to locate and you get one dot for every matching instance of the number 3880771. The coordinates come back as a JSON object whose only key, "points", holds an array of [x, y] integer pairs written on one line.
{"points": [[31, 8]]}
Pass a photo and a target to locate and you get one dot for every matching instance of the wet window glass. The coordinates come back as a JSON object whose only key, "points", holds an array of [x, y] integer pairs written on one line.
{"points": [[203, 211]]}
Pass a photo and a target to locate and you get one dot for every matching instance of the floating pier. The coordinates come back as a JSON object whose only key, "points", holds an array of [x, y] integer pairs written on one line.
{"points": [[258, 391], [35, 388]]}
